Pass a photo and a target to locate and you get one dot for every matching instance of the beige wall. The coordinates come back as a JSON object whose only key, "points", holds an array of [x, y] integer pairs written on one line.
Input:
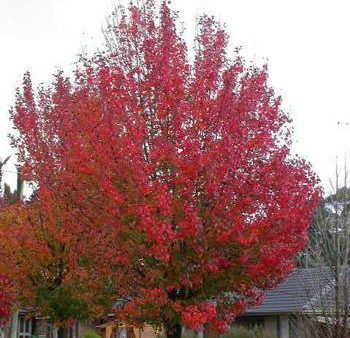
{"points": [[277, 325], [148, 332], [271, 325]]}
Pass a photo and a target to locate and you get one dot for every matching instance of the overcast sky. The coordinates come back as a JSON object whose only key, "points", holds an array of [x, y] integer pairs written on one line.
{"points": [[306, 43]]}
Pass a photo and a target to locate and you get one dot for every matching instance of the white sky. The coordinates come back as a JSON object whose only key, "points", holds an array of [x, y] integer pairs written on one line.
{"points": [[306, 43]]}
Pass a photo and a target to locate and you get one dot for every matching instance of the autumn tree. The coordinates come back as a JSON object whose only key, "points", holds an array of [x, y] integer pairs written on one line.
{"points": [[39, 264], [47, 275], [5, 298], [177, 172], [6, 291]]}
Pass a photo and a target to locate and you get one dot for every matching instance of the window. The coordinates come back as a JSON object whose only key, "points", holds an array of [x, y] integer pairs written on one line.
{"points": [[24, 327]]}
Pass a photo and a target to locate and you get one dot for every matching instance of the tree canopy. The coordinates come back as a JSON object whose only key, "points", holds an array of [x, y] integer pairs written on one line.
{"points": [[6, 291], [169, 179]]}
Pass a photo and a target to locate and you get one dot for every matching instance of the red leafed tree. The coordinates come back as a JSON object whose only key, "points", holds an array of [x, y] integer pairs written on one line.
{"points": [[5, 297], [6, 292], [178, 172]]}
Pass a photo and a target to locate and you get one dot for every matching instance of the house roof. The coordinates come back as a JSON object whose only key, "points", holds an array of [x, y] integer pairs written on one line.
{"points": [[299, 292], [303, 290]]}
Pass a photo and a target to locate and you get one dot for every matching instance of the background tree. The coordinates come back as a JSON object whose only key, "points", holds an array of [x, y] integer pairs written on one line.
{"points": [[47, 275], [328, 250], [6, 291], [179, 173], [39, 265]]}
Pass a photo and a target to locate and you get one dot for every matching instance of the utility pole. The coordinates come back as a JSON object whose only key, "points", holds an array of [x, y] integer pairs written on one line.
{"points": [[19, 182], [14, 316]]}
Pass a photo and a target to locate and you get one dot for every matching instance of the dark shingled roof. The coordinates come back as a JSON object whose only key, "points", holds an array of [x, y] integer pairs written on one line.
{"points": [[299, 292]]}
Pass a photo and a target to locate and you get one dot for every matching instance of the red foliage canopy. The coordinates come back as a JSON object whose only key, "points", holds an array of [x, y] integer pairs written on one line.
{"points": [[178, 173], [5, 298], [6, 291]]}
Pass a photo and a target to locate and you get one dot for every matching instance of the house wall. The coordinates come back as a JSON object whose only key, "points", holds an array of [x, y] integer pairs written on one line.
{"points": [[148, 332], [277, 326], [271, 325], [42, 328], [109, 330], [299, 328]]}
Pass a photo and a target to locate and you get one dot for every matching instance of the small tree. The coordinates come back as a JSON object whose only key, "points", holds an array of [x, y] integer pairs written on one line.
{"points": [[39, 263], [179, 174], [5, 285], [48, 277]]}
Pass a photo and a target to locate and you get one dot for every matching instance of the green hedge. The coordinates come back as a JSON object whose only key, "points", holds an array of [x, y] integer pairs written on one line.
{"points": [[91, 334], [243, 332]]}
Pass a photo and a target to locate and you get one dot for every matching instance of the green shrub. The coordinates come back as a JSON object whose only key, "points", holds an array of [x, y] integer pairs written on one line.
{"points": [[243, 332], [91, 334], [235, 332]]}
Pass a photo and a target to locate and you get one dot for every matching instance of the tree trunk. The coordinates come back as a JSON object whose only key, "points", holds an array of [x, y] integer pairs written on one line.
{"points": [[173, 330]]}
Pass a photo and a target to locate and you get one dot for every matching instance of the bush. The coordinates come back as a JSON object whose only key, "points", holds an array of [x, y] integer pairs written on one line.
{"points": [[91, 334], [235, 332], [243, 332]]}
